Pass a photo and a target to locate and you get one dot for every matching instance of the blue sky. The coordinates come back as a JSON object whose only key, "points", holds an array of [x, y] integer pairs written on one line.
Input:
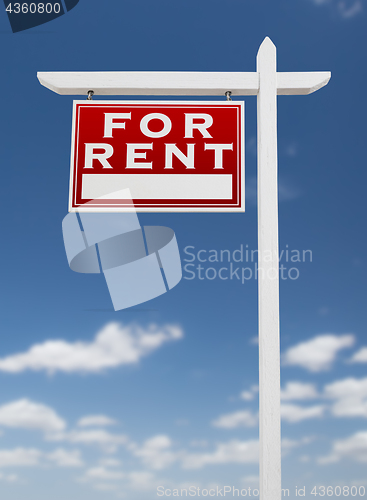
{"points": [[86, 411]]}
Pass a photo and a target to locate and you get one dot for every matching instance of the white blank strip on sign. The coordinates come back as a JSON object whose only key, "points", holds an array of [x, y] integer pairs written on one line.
{"points": [[158, 186]]}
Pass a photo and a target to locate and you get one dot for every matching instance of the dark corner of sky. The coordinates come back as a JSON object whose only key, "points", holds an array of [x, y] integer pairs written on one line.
{"points": [[36, 13], [70, 4]]}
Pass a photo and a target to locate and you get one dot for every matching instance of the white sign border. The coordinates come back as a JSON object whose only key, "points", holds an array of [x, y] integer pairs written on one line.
{"points": [[187, 208]]}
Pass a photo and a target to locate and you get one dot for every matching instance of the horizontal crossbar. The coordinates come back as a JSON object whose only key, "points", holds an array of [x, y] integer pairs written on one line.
{"points": [[165, 83]]}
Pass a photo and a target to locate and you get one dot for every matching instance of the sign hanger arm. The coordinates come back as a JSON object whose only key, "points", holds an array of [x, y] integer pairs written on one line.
{"points": [[177, 83]]}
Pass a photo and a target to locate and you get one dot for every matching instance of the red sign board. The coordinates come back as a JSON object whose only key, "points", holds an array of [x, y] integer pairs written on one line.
{"points": [[173, 156]]}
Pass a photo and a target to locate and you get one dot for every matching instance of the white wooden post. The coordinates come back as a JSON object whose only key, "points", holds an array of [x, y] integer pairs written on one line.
{"points": [[268, 275], [266, 83]]}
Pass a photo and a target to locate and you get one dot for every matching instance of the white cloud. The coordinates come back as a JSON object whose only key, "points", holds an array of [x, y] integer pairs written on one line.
{"points": [[96, 421], [26, 414], [360, 356], [324, 311], [100, 437], [319, 353], [109, 480], [66, 458], [110, 462], [350, 395], [348, 9], [289, 444], [291, 150], [345, 8], [249, 395], [250, 479], [20, 457], [199, 443], [9, 478], [353, 447], [241, 452], [105, 487], [113, 346], [251, 145], [32, 457], [104, 474], [182, 421], [295, 413], [242, 418], [143, 481], [156, 452], [348, 399], [298, 391], [287, 191]]}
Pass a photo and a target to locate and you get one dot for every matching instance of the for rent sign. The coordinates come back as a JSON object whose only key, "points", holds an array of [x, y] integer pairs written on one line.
{"points": [[172, 156]]}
